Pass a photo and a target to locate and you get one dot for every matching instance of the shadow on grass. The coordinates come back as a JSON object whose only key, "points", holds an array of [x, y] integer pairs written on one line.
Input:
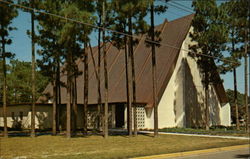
{"points": [[78, 134], [243, 156], [146, 134]]}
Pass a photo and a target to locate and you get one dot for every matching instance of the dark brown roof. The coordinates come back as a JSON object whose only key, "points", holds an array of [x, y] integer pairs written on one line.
{"points": [[172, 33]]}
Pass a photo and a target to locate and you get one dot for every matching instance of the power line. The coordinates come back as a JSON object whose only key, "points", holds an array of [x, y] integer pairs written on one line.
{"points": [[108, 29], [173, 13], [183, 6], [176, 14], [192, 0], [173, 5]]}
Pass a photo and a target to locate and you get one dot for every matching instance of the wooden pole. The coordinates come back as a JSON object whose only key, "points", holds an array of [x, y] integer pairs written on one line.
{"points": [[33, 72], [105, 75], [154, 72]]}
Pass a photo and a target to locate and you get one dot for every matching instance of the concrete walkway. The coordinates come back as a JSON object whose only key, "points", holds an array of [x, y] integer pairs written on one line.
{"points": [[184, 134], [198, 135]]}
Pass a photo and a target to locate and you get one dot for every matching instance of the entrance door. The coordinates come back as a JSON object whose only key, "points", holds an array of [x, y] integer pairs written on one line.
{"points": [[119, 115]]}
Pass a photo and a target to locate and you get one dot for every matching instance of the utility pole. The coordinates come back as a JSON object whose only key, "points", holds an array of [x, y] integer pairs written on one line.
{"points": [[33, 72], [105, 75], [130, 52], [154, 72], [133, 75]]}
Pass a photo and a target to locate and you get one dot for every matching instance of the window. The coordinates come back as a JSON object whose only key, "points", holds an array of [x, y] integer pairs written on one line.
{"points": [[140, 116]]}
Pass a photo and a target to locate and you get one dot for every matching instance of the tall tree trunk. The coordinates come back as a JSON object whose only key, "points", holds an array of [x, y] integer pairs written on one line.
{"points": [[99, 78], [246, 83], [154, 72], [54, 104], [74, 100], [68, 129], [235, 100], [58, 86], [105, 76], [206, 100], [235, 84], [206, 110], [69, 93], [131, 52], [96, 125], [86, 77], [5, 133], [130, 47], [33, 72]]}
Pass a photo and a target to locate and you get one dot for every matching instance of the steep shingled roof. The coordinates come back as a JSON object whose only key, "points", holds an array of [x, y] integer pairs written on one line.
{"points": [[172, 33]]}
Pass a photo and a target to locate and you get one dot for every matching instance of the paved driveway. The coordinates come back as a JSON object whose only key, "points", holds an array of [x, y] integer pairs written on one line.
{"points": [[233, 154]]}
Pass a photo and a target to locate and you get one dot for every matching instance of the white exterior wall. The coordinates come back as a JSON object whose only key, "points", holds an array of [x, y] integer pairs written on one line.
{"points": [[185, 94], [225, 115], [43, 117], [166, 113], [219, 114]]}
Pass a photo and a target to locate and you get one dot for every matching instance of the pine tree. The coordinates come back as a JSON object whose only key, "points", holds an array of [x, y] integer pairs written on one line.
{"points": [[51, 51], [72, 36], [99, 11], [121, 42], [105, 72], [235, 49], [129, 18], [7, 14], [244, 18], [19, 79], [211, 34], [239, 25]]}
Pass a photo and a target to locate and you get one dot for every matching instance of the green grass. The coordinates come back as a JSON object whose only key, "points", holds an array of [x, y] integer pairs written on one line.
{"points": [[96, 147], [226, 131]]}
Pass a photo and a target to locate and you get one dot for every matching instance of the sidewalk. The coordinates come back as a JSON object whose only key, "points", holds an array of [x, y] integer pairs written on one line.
{"points": [[183, 134], [198, 135]]}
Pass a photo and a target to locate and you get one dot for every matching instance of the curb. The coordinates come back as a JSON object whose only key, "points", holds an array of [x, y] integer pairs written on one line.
{"points": [[191, 153]]}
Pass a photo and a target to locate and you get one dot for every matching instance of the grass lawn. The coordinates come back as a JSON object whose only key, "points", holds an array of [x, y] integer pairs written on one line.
{"points": [[96, 147]]}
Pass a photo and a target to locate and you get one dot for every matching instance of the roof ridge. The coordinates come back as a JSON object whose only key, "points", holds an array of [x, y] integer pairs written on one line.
{"points": [[159, 94], [181, 18]]}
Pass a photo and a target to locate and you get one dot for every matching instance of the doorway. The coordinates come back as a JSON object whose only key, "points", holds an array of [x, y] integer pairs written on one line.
{"points": [[119, 116]]}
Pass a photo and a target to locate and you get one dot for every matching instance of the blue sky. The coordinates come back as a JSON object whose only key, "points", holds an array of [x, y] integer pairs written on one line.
{"points": [[21, 45]]}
